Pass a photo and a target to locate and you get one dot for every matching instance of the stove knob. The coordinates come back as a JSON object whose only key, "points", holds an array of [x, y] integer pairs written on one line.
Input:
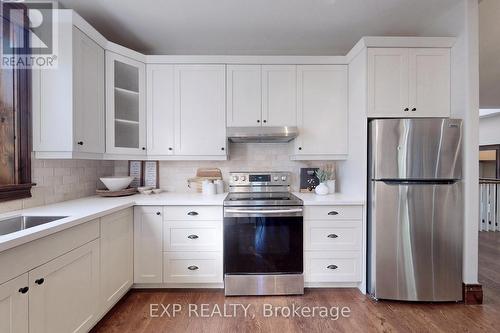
{"points": [[275, 178], [243, 178], [283, 178], [235, 178]]}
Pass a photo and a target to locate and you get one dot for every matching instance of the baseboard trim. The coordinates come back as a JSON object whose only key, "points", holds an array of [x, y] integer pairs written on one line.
{"points": [[472, 293]]}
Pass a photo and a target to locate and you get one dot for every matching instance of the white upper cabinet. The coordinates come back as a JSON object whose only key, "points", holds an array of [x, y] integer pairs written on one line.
{"points": [[405, 82], [125, 105], [68, 101], [200, 110], [160, 109], [244, 95], [279, 95], [430, 82], [261, 95], [88, 85], [322, 112]]}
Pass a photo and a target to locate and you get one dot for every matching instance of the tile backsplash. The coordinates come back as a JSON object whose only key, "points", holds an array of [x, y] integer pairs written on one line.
{"points": [[243, 157], [61, 180]]}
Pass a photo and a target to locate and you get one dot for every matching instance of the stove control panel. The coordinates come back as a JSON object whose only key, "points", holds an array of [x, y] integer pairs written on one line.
{"points": [[259, 179]]}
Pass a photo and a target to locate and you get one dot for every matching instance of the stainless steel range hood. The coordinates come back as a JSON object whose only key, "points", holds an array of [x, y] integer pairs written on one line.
{"points": [[262, 134]]}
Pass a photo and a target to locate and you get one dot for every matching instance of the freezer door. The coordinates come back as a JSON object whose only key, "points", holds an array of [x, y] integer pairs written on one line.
{"points": [[415, 149], [415, 242]]}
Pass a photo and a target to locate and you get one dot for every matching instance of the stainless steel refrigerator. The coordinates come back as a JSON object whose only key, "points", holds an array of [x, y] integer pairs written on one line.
{"points": [[415, 220]]}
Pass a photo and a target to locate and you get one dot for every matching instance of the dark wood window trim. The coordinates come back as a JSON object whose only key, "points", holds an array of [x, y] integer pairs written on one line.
{"points": [[22, 105]]}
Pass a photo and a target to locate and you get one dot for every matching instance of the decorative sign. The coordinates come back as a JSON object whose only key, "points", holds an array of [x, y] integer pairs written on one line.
{"points": [[308, 179], [135, 170], [151, 174]]}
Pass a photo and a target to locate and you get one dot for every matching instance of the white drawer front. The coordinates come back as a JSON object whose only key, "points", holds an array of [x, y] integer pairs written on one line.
{"points": [[332, 267], [338, 235], [192, 267], [333, 212], [204, 236], [193, 213]]}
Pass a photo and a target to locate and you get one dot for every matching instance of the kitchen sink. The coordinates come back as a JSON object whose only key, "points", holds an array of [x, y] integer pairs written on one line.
{"points": [[21, 222]]}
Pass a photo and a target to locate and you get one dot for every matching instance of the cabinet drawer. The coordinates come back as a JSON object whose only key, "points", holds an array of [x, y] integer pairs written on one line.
{"points": [[205, 236], [332, 266], [327, 235], [333, 212], [192, 267], [193, 213]]}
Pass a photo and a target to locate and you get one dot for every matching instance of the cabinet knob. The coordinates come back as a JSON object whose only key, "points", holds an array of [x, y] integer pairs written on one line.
{"points": [[222, 148], [258, 120], [80, 143], [24, 290], [332, 236], [332, 266], [264, 121], [193, 213], [406, 109], [143, 148], [333, 213], [158, 213], [170, 148], [40, 281], [193, 237], [300, 148], [193, 268], [414, 109]]}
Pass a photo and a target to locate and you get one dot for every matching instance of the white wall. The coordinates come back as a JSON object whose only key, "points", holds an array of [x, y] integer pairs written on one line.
{"points": [[461, 21], [489, 129]]}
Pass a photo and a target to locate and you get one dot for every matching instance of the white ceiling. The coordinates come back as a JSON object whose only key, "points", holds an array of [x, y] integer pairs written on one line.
{"points": [[299, 27]]}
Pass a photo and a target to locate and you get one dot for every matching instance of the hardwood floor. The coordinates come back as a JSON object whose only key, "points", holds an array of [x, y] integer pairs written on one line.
{"points": [[132, 313]]}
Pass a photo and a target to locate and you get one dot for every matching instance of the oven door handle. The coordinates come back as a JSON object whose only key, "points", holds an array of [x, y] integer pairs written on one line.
{"points": [[264, 211]]}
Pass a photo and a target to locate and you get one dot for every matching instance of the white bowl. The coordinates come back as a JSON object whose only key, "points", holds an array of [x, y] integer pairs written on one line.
{"points": [[116, 183], [157, 190], [147, 192]]}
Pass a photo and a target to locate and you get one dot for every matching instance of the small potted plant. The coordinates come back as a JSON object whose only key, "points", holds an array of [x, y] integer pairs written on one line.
{"points": [[323, 175]]}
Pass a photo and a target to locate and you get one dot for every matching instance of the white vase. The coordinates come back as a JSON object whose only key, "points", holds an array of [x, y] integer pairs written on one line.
{"points": [[321, 189], [331, 186]]}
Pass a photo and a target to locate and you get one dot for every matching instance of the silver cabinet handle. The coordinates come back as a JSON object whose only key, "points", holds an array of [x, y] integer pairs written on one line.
{"points": [[332, 266], [193, 213], [333, 213], [193, 268], [332, 236], [193, 237]]}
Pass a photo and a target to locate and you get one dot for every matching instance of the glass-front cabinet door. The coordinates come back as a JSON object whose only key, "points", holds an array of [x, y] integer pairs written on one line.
{"points": [[125, 105]]}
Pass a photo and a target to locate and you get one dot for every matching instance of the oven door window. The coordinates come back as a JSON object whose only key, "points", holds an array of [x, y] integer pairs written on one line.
{"points": [[260, 245]]}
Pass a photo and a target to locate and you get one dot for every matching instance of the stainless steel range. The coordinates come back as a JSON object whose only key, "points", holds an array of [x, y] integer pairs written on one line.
{"points": [[263, 236]]}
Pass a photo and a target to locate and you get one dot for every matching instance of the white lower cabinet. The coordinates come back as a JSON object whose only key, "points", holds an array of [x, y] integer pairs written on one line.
{"points": [[64, 293], [14, 305], [333, 244], [192, 267], [332, 266], [117, 257], [148, 247]]}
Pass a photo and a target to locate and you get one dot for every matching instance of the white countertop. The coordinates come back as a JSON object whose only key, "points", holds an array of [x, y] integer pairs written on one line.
{"points": [[87, 209], [312, 199]]}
